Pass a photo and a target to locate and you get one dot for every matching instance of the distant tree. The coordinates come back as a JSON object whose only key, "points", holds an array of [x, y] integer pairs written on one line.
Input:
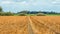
{"points": [[25, 12], [1, 10], [40, 14], [8, 14], [52, 12], [2, 14], [22, 14]]}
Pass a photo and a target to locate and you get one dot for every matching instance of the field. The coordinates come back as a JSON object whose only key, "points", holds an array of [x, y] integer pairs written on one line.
{"points": [[13, 25], [29, 24], [46, 24]]}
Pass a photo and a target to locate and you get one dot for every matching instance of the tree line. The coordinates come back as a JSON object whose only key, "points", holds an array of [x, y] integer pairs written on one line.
{"points": [[23, 13]]}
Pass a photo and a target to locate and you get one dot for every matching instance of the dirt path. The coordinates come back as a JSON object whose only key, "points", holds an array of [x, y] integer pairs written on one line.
{"points": [[30, 26]]}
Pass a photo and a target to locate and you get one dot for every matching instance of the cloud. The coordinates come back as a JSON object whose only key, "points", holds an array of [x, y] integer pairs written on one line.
{"points": [[56, 2], [7, 2], [25, 2], [30, 4], [14, 3]]}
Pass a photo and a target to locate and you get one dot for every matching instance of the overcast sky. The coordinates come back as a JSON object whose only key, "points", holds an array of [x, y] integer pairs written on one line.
{"points": [[32, 5]]}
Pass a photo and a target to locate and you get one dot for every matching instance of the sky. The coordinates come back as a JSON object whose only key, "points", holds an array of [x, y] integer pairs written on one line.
{"points": [[31, 5]]}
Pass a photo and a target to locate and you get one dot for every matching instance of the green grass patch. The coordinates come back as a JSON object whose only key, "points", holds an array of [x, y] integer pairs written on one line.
{"points": [[52, 14], [30, 14]]}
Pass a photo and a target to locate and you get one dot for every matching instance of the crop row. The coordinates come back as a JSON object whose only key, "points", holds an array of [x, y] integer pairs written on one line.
{"points": [[46, 23]]}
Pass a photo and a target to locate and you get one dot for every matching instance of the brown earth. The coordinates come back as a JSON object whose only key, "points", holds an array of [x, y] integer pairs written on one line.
{"points": [[29, 24], [13, 25], [46, 24]]}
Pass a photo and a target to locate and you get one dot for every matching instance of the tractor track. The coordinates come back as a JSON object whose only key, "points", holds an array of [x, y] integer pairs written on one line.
{"points": [[40, 23], [30, 26], [25, 25]]}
